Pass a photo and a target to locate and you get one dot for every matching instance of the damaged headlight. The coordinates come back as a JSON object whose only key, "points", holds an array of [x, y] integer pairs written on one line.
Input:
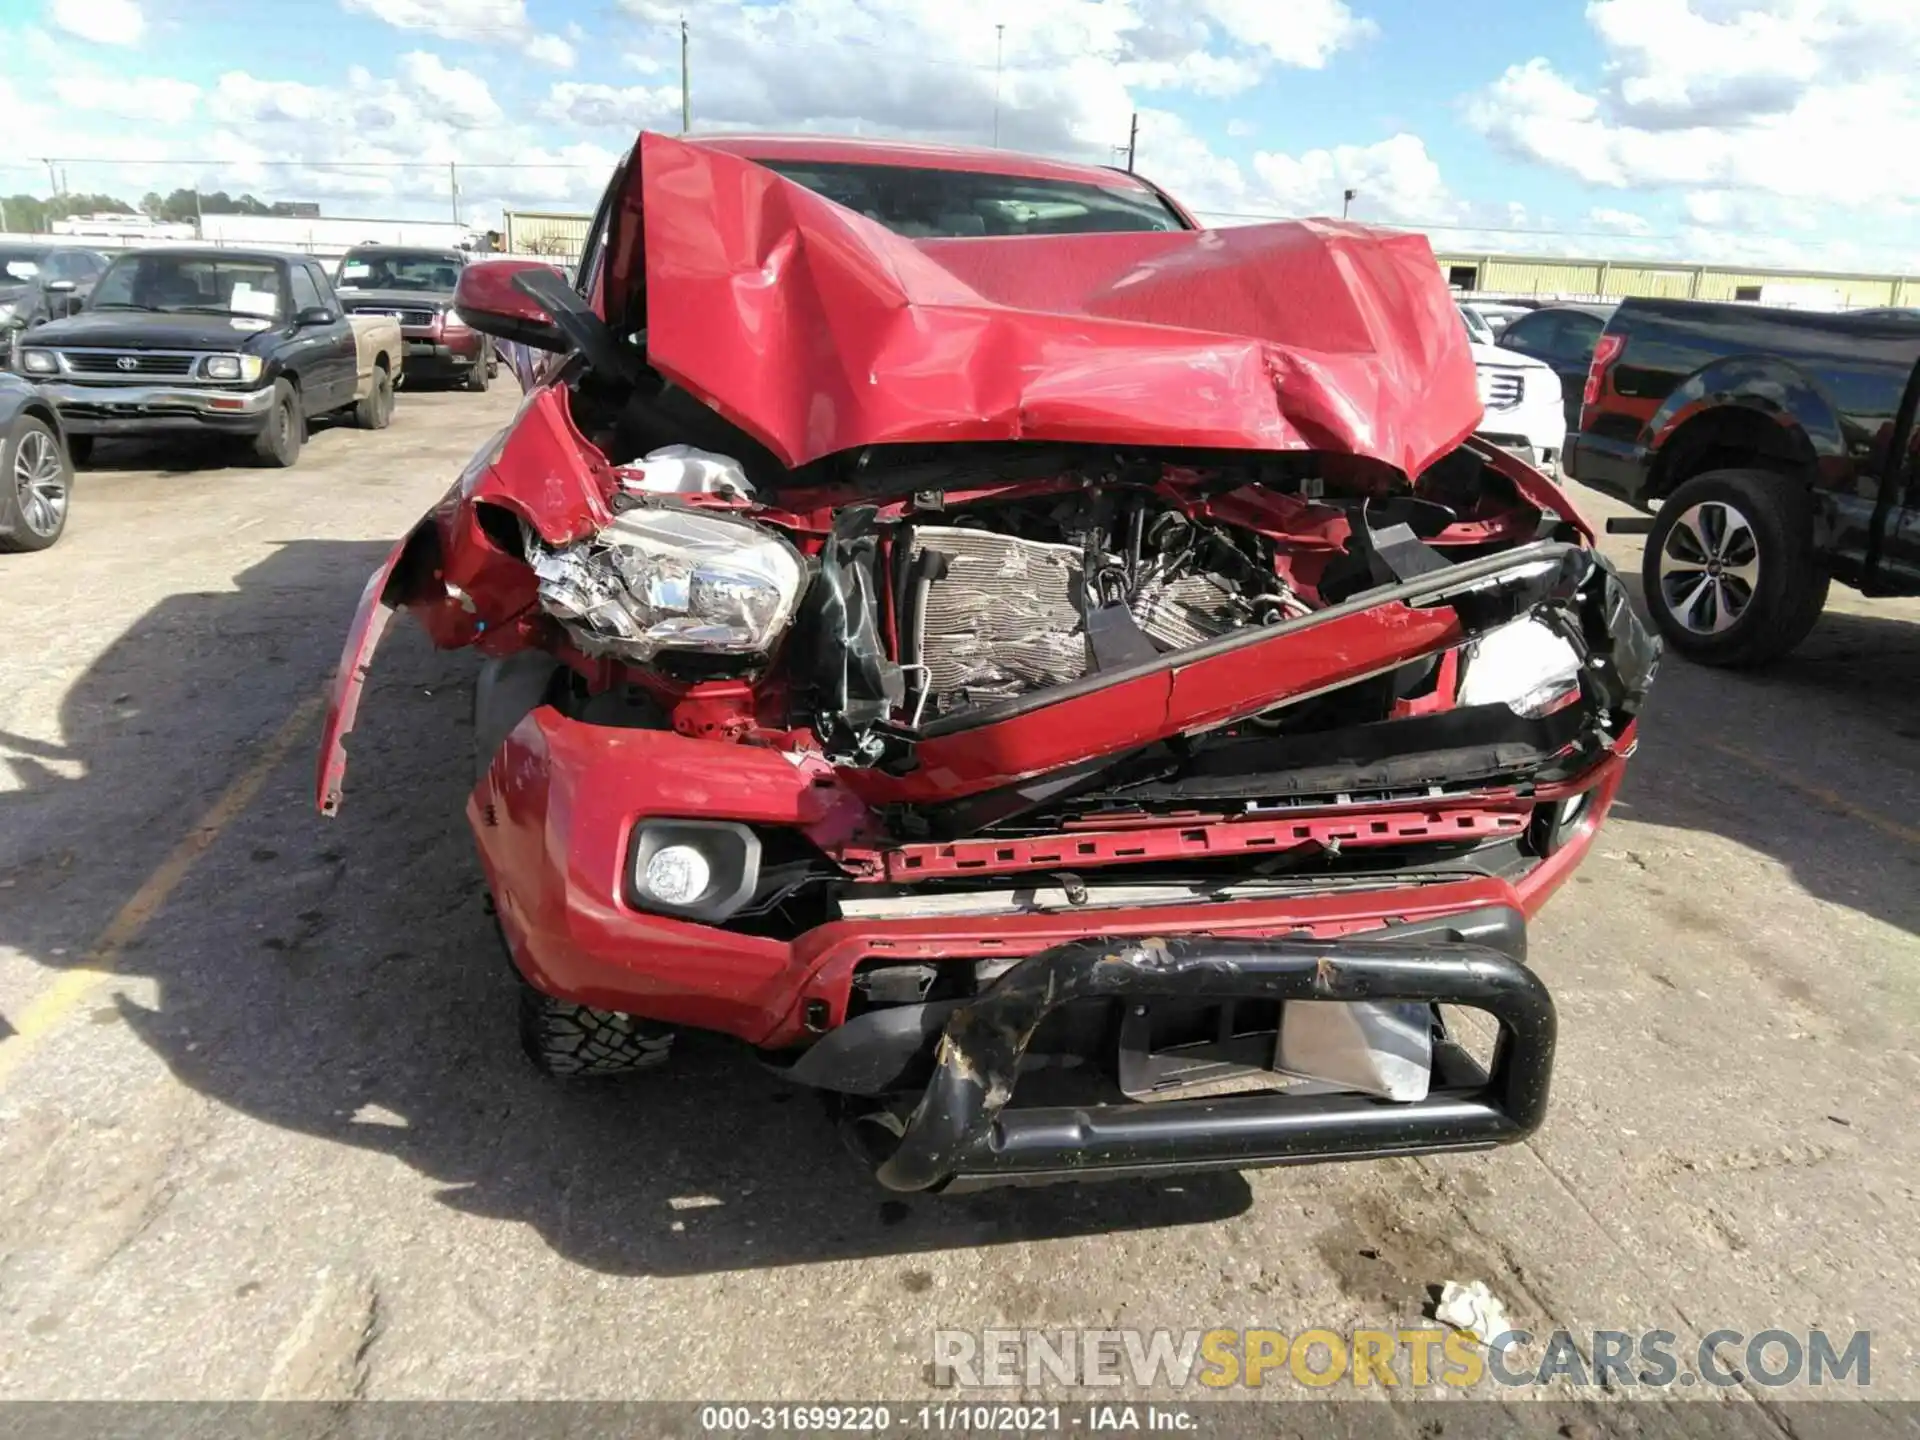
{"points": [[660, 579], [1524, 665]]}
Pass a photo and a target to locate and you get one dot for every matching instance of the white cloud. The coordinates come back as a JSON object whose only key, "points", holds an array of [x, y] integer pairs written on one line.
{"points": [[482, 20], [1305, 33], [1396, 180], [1240, 129], [151, 98], [1625, 222], [1756, 96], [622, 107], [104, 22], [458, 97], [550, 50]]}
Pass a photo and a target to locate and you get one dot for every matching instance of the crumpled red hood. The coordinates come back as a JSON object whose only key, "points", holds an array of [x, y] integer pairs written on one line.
{"points": [[817, 330]]}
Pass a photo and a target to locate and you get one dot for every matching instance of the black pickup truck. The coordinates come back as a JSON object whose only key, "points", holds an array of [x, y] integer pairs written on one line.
{"points": [[224, 342], [1778, 448]]}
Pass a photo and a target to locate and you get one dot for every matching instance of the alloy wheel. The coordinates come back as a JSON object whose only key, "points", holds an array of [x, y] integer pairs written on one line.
{"points": [[40, 483], [1709, 568]]}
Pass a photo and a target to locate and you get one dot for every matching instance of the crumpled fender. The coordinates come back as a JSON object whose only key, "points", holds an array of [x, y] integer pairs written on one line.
{"points": [[454, 577]]}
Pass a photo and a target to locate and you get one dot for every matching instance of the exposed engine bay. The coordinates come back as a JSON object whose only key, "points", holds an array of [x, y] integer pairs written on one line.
{"points": [[990, 613], [923, 601]]}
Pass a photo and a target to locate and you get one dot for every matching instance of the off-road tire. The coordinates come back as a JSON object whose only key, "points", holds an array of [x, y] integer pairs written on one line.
{"points": [[1790, 582], [277, 446], [577, 1042], [374, 410]]}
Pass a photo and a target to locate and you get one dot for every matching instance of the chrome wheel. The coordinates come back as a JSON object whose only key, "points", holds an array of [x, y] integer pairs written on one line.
{"points": [[40, 483], [1709, 568]]}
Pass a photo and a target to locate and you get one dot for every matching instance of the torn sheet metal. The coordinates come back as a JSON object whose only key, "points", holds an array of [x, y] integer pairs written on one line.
{"points": [[818, 330]]}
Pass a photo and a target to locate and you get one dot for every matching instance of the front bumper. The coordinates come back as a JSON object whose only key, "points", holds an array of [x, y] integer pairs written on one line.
{"points": [[1536, 433], [148, 409], [962, 1135], [431, 355]]}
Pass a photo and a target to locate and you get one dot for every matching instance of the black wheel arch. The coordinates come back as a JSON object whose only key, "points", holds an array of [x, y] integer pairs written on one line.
{"points": [[1731, 437]]}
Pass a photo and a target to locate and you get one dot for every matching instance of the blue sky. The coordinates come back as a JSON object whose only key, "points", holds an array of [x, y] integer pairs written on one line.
{"points": [[1757, 130]]}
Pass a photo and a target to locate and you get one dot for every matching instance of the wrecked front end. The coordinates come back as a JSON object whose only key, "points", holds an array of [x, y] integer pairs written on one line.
{"points": [[1067, 805]]}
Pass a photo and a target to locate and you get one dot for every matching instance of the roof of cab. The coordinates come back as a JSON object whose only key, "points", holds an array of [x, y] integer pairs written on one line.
{"points": [[848, 150]]}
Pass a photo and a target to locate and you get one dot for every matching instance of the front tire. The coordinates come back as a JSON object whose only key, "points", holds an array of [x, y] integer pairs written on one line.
{"points": [[1729, 568], [277, 446], [36, 480], [577, 1042], [476, 380]]}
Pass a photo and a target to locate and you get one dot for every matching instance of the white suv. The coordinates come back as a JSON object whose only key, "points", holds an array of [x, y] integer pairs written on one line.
{"points": [[1524, 409]]}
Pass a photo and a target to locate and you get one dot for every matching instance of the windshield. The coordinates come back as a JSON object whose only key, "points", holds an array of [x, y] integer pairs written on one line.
{"points": [[18, 263], [928, 204], [399, 270], [197, 283], [1477, 330]]}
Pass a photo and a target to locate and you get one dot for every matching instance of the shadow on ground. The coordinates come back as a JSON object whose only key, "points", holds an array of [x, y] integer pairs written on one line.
{"points": [[1850, 693], [341, 978]]}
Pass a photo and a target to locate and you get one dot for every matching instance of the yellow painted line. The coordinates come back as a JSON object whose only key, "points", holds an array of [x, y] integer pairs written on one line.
{"points": [[47, 1009], [1833, 800]]}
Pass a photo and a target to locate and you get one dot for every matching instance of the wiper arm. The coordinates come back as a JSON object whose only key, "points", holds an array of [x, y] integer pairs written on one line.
{"points": [[121, 305]]}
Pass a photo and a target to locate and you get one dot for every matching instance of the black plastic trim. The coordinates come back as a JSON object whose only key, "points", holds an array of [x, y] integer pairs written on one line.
{"points": [[961, 1135]]}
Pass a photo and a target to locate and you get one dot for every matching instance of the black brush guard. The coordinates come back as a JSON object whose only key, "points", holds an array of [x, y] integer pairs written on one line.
{"points": [[961, 1136]]}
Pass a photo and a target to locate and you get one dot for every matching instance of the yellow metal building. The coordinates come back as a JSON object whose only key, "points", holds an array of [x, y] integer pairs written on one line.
{"points": [[1564, 279]]}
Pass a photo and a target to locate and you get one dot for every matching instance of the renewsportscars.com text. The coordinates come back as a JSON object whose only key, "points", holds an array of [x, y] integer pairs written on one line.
{"points": [[1250, 1359]]}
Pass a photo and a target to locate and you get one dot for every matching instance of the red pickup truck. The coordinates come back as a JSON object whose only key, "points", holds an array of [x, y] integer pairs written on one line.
{"points": [[1014, 660]]}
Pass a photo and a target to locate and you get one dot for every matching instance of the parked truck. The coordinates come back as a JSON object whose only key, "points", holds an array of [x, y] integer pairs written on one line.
{"points": [[1776, 446], [213, 342]]}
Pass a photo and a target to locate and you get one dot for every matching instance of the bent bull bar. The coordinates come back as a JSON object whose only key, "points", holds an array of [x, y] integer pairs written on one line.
{"points": [[961, 1136]]}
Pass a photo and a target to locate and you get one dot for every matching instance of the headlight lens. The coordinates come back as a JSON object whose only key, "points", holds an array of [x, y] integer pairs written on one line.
{"points": [[232, 367], [453, 321], [1523, 665], [659, 580], [38, 362], [7, 307]]}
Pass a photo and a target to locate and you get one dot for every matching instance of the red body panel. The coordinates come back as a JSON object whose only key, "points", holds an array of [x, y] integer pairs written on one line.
{"points": [[363, 638], [555, 811], [1192, 696], [817, 330]]}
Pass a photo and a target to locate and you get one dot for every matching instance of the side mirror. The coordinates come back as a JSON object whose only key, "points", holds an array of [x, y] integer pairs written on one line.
{"points": [[491, 303], [315, 315], [60, 287]]}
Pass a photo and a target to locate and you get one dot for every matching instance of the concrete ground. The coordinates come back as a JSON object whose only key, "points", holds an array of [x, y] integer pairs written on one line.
{"points": [[264, 1130]]}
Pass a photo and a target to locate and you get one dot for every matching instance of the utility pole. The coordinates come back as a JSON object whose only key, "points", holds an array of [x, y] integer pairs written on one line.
{"points": [[999, 57], [53, 178], [1346, 202], [453, 188], [686, 87], [1133, 139], [199, 219]]}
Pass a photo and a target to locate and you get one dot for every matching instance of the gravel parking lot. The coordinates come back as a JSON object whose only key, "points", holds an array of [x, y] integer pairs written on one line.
{"points": [[264, 1130]]}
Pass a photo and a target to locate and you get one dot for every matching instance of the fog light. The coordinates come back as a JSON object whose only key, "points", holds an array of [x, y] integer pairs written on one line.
{"points": [[677, 875], [697, 869]]}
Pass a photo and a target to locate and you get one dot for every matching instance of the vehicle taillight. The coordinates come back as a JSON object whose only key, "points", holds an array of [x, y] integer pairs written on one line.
{"points": [[1604, 354]]}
